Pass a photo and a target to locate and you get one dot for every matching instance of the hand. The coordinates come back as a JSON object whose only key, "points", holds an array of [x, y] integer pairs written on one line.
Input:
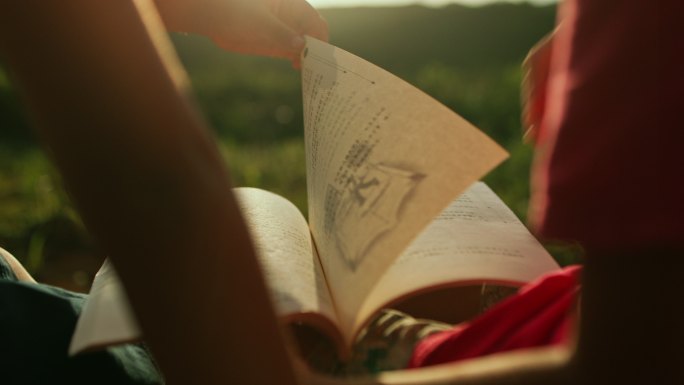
{"points": [[259, 27], [535, 68]]}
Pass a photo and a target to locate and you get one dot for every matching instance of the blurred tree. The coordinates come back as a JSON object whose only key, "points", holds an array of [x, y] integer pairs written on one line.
{"points": [[466, 57], [14, 129]]}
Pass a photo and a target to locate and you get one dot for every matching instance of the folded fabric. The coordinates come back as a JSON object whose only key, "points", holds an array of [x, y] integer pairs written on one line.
{"points": [[540, 314]]}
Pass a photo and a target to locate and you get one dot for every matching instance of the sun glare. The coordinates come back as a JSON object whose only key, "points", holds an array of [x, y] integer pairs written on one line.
{"points": [[353, 3]]}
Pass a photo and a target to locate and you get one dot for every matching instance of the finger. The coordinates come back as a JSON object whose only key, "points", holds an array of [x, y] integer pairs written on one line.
{"points": [[303, 18], [533, 97], [296, 62], [267, 49], [319, 29], [260, 48], [536, 68], [282, 38], [271, 38]]}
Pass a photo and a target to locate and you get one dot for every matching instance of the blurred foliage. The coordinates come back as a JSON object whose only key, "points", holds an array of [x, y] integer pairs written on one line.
{"points": [[36, 218], [14, 128], [467, 58], [278, 167], [403, 39]]}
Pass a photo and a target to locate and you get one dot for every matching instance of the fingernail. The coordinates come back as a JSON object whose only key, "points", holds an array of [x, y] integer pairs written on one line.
{"points": [[297, 42]]}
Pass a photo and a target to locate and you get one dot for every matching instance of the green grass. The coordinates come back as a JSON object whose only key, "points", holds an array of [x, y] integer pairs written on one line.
{"points": [[467, 58], [276, 167], [35, 208], [37, 218], [29, 191], [33, 205]]}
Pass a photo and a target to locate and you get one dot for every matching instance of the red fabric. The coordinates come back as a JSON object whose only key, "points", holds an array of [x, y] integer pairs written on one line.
{"points": [[609, 167], [539, 314]]}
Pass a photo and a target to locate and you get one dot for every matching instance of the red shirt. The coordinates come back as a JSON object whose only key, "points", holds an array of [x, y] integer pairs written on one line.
{"points": [[609, 167], [540, 314]]}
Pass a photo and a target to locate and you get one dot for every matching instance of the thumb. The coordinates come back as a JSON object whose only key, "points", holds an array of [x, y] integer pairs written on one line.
{"points": [[283, 38]]}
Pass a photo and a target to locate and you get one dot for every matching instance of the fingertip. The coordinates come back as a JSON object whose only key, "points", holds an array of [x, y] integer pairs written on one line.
{"points": [[297, 43], [282, 36], [322, 32], [325, 28]]}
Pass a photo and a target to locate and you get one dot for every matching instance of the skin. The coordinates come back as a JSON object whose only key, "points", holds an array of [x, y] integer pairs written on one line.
{"points": [[535, 68], [150, 184], [256, 27], [149, 181]]}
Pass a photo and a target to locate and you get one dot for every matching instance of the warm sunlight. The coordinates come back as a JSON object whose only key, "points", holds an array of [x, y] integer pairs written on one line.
{"points": [[352, 3]]}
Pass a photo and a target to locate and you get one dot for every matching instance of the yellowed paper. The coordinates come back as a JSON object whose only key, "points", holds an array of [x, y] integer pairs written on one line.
{"points": [[383, 159], [286, 254], [283, 242], [106, 317], [477, 238]]}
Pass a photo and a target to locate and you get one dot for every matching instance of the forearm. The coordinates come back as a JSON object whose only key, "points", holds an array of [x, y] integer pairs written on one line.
{"points": [[149, 183]]}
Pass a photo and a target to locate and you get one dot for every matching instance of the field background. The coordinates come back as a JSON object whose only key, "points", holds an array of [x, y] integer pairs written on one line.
{"points": [[468, 58]]}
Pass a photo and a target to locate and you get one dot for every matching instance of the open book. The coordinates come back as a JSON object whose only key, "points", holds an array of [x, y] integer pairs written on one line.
{"points": [[384, 165]]}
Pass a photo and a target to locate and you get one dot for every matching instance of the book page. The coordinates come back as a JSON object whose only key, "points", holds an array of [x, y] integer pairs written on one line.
{"points": [[287, 258], [383, 159], [107, 317], [477, 238], [286, 253]]}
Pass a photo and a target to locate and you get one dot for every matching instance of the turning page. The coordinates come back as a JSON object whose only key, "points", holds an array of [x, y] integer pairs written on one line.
{"points": [[476, 239], [383, 159]]}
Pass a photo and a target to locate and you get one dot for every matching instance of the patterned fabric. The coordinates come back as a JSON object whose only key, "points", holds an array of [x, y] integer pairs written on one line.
{"points": [[385, 344]]}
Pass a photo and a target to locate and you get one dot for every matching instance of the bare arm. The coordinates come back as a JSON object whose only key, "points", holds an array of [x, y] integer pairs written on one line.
{"points": [[150, 184], [107, 96]]}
